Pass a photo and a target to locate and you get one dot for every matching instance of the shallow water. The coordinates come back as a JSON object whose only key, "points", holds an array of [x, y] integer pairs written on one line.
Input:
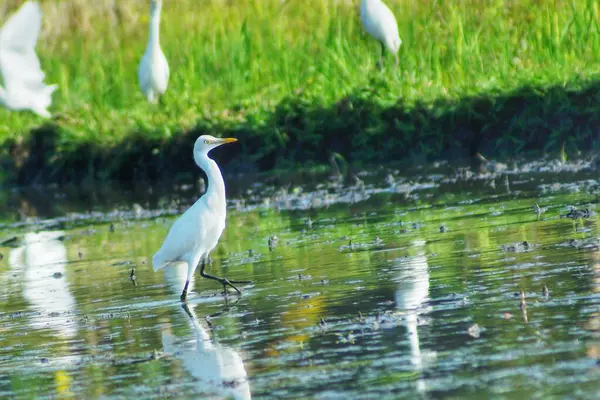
{"points": [[398, 288]]}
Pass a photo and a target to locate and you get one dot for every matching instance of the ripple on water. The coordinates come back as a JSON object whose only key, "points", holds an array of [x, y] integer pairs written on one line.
{"points": [[368, 299]]}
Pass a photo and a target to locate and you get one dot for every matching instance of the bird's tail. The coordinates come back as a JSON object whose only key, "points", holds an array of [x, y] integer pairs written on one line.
{"points": [[158, 261], [44, 100], [397, 42]]}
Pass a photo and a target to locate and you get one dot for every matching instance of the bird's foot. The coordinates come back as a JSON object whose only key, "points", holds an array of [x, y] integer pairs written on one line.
{"points": [[227, 282], [183, 297]]}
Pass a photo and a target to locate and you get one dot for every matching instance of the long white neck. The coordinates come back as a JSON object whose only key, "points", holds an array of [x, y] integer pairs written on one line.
{"points": [[155, 24], [216, 185]]}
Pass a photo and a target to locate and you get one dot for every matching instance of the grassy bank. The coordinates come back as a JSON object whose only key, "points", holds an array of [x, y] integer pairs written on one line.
{"points": [[295, 79]]}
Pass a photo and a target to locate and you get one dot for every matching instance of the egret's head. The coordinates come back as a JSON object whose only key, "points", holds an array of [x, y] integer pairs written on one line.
{"points": [[206, 143]]}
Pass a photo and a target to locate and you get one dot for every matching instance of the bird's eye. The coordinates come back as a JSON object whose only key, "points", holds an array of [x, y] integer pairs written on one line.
{"points": [[206, 142]]}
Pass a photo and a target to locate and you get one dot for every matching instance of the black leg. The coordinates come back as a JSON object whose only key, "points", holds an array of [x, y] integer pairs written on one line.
{"points": [[380, 63], [187, 310], [225, 282], [184, 293]]}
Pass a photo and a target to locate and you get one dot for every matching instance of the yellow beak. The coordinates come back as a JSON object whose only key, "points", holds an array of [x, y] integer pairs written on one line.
{"points": [[227, 140]]}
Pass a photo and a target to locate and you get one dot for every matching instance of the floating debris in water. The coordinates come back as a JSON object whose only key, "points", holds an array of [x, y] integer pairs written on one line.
{"points": [[80, 254], [1, 256], [272, 242], [132, 276], [474, 331], [523, 307], [377, 243], [111, 227], [123, 263], [57, 275], [577, 214], [309, 222], [523, 304], [375, 324], [390, 180], [539, 210], [350, 247], [138, 211], [323, 324], [346, 339], [507, 315], [516, 247], [442, 229], [545, 291], [589, 243]]}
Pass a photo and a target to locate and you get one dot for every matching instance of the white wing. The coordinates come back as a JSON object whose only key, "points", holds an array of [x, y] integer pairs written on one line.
{"points": [[381, 23], [186, 235], [19, 65]]}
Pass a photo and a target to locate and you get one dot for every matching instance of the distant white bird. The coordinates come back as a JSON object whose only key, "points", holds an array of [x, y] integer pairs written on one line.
{"points": [[22, 76], [379, 21], [216, 369], [153, 73], [195, 233]]}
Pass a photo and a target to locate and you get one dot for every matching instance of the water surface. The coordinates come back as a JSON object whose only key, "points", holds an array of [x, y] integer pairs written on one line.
{"points": [[389, 285]]}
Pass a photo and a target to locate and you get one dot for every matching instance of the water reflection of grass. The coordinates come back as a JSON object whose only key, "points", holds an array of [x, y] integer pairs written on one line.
{"points": [[471, 280], [303, 79]]}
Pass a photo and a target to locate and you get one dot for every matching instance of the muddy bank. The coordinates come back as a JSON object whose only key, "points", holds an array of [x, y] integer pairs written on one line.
{"points": [[368, 126]]}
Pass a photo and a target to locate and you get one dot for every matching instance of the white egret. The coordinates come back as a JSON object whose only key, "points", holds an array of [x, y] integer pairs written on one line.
{"points": [[20, 68], [195, 233], [379, 21], [153, 72]]}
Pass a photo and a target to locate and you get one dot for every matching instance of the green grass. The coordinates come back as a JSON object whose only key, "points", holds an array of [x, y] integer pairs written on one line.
{"points": [[236, 64]]}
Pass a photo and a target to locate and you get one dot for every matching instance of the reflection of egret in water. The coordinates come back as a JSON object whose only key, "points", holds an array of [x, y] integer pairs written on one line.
{"points": [[412, 295], [217, 368], [42, 257], [592, 324], [176, 276]]}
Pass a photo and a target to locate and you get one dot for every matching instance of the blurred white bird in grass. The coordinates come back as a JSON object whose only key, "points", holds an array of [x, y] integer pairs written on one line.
{"points": [[22, 76], [153, 72], [379, 21], [196, 233]]}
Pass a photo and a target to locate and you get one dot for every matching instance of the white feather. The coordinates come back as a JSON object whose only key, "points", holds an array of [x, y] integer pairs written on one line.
{"points": [[20, 68], [379, 21]]}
